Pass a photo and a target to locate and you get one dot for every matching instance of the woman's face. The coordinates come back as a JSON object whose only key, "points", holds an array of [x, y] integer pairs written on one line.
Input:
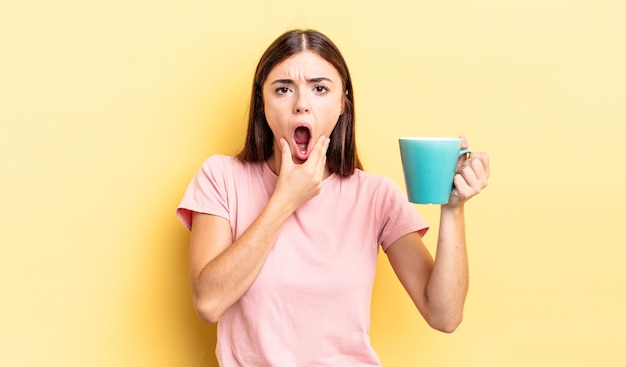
{"points": [[302, 99]]}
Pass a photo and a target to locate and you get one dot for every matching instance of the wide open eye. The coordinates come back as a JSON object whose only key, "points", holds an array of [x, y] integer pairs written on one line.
{"points": [[321, 89], [281, 90]]}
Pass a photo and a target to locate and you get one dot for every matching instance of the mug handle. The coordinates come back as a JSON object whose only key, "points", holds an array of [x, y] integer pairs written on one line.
{"points": [[465, 152]]}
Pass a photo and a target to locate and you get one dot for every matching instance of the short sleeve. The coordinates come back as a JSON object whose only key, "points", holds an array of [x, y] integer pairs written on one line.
{"points": [[398, 217], [206, 193]]}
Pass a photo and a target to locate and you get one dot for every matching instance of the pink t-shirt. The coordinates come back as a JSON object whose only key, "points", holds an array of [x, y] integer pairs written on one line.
{"points": [[310, 304]]}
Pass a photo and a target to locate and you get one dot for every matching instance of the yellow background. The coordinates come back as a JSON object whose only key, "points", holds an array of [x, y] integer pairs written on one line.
{"points": [[107, 108]]}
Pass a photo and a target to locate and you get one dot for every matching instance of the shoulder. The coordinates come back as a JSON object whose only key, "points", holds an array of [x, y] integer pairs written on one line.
{"points": [[219, 161], [215, 169], [231, 171], [225, 163]]}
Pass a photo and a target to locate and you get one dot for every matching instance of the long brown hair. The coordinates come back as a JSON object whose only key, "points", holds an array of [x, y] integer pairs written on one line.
{"points": [[341, 157]]}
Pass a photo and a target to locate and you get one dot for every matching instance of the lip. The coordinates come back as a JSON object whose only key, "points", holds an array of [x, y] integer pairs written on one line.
{"points": [[302, 156]]}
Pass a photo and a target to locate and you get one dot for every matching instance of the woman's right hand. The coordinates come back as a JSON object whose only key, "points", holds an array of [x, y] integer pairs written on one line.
{"points": [[298, 183]]}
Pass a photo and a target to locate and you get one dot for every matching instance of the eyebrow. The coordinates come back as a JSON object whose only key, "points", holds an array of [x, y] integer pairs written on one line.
{"points": [[312, 80]]}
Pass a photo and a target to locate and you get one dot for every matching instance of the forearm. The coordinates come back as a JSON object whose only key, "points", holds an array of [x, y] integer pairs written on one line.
{"points": [[447, 287], [224, 279]]}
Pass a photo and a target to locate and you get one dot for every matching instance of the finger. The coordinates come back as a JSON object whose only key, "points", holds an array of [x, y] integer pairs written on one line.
{"points": [[319, 144], [484, 158], [460, 187], [319, 154], [285, 150], [463, 191], [464, 144], [480, 163], [325, 143], [471, 178], [318, 150], [468, 173], [462, 159], [481, 175]]}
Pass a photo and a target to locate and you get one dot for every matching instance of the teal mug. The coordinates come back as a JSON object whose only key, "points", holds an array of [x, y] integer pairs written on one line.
{"points": [[429, 165]]}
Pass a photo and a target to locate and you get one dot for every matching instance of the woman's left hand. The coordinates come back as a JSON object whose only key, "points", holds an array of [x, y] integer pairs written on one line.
{"points": [[472, 175]]}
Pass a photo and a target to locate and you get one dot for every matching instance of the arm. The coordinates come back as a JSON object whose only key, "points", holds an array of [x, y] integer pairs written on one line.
{"points": [[221, 270], [439, 288]]}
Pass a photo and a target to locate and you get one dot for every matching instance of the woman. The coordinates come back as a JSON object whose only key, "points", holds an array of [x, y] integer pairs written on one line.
{"points": [[285, 236]]}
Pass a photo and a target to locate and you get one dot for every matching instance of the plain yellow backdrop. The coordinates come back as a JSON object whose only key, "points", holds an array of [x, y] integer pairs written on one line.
{"points": [[107, 108]]}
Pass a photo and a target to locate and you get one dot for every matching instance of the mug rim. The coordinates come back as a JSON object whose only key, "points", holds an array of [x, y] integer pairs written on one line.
{"points": [[443, 138]]}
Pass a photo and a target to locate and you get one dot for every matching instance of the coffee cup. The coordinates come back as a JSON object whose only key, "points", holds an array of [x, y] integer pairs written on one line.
{"points": [[429, 165]]}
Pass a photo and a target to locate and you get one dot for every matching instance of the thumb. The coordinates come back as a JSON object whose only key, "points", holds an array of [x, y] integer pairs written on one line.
{"points": [[285, 150], [464, 144]]}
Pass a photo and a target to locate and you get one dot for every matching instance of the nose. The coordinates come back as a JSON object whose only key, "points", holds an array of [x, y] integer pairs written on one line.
{"points": [[301, 104]]}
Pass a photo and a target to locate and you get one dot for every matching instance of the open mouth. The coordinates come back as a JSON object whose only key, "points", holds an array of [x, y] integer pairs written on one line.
{"points": [[302, 136]]}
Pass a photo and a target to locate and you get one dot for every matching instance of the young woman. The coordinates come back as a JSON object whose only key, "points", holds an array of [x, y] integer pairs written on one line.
{"points": [[285, 236]]}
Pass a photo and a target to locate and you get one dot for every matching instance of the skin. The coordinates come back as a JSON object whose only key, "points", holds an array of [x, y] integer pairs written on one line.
{"points": [[305, 90]]}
